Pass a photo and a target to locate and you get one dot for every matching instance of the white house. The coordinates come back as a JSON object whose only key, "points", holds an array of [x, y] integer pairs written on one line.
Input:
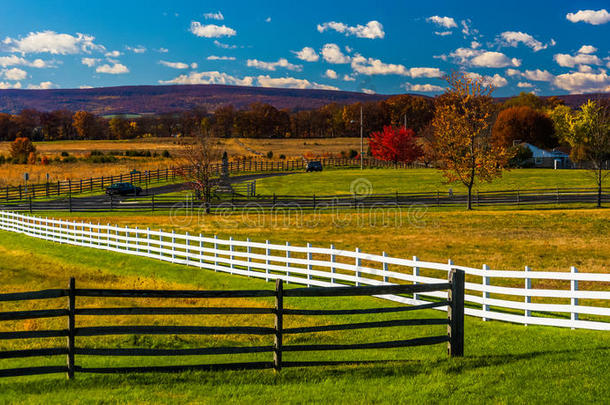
{"points": [[547, 158]]}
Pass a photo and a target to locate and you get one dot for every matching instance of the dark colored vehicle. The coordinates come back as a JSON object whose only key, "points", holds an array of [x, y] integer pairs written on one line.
{"points": [[314, 166], [123, 189]]}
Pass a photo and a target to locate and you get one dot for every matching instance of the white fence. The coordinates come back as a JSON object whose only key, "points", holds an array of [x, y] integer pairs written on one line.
{"points": [[511, 296]]}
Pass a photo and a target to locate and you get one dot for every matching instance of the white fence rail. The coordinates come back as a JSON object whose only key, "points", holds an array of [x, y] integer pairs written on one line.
{"points": [[526, 297]]}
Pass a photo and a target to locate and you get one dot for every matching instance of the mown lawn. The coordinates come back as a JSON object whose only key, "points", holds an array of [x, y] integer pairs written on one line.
{"points": [[379, 181], [503, 363]]}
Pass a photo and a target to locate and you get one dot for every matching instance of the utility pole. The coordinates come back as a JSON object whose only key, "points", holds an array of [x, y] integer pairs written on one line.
{"points": [[405, 121], [361, 140]]}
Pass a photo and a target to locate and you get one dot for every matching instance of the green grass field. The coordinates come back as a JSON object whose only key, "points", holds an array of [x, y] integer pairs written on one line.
{"points": [[333, 182], [503, 363]]}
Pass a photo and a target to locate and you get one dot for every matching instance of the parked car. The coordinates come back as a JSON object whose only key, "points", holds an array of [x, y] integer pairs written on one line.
{"points": [[314, 166], [123, 189]]}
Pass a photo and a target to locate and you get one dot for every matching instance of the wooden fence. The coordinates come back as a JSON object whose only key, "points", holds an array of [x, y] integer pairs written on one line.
{"points": [[242, 199], [97, 184], [454, 337], [553, 298]]}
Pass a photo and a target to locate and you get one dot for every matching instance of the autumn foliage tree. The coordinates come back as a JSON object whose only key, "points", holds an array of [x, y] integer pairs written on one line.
{"points": [[524, 124], [22, 150], [395, 145], [462, 133]]}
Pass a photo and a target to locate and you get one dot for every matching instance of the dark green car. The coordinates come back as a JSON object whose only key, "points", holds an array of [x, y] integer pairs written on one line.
{"points": [[123, 189]]}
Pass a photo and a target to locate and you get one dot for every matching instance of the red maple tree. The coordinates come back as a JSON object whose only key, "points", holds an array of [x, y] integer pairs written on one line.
{"points": [[395, 144]]}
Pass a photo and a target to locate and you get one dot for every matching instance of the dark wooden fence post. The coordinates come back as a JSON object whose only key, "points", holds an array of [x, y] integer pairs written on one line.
{"points": [[279, 324], [71, 326], [455, 314]]}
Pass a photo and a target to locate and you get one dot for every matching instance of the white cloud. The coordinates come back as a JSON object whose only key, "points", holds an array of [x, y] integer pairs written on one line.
{"points": [[524, 85], [41, 86], [307, 54], [587, 49], [513, 72], [585, 68], [494, 60], [443, 33], [211, 30], [162, 50], [13, 60], [268, 19], [369, 91], [15, 74], [332, 54], [425, 72], [52, 42], [331, 74], [424, 88], [590, 16], [85, 86], [177, 65], [349, 78], [446, 22], [136, 49], [113, 54], [580, 82], [373, 29], [224, 46], [539, 75], [495, 80], [212, 77], [90, 61], [370, 66], [115, 69], [214, 57], [566, 60], [8, 85], [475, 44], [514, 38], [214, 16], [282, 62], [291, 83], [467, 30]]}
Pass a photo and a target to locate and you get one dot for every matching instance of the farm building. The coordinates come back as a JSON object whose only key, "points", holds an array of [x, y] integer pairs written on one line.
{"points": [[545, 158]]}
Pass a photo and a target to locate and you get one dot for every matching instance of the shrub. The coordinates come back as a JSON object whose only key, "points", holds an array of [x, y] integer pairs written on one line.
{"points": [[96, 153], [165, 153], [65, 154], [270, 154], [353, 153], [2, 159], [282, 156], [21, 148], [69, 159], [44, 160]]}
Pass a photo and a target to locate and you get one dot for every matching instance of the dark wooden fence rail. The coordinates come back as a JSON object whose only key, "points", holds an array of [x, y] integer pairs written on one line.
{"points": [[454, 337], [239, 201], [92, 184]]}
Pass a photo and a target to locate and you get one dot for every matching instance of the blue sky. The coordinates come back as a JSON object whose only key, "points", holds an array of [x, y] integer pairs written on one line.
{"points": [[554, 47]]}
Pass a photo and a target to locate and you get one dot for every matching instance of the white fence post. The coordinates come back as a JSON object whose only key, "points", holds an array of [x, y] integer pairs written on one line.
{"points": [[573, 289], [161, 247], [267, 261], [485, 293], [528, 298], [357, 273], [126, 248], [416, 274], [148, 241], [137, 240], [287, 263], [200, 250], [309, 267], [333, 258], [386, 268]]}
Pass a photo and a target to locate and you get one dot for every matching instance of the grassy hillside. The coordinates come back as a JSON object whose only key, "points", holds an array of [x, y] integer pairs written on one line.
{"points": [[503, 362]]}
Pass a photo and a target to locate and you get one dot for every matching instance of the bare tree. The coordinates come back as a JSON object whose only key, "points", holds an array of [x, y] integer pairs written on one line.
{"points": [[199, 163]]}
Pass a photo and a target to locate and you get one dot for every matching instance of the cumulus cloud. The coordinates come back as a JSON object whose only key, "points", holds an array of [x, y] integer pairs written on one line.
{"points": [[9, 85], [211, 30], [495, 80], [214, 57], [282, 62], [136, 49], [214, 16], [268, 19], [513, 72], [587, 49], [524, 85], [332, 54], [53, 43], [514, 38], [425, 72], [307, 54], [539, 75], [373, 29], [590, 16], [446, 22], [41, 86], [115, 69], [368, 91], [424, 88], [13, 60], [566, 60], [113, 54], [291, 83], [224, 46], [443, 33], [14, 74], [370, 66], [494, 60], [90, 61], [331, 74], [212, 77], [581, 82], [349, 78], [162, 50], [178, 65]]}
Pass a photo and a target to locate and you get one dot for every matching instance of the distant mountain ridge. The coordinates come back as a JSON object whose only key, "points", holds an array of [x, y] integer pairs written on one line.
{"points": [[163, 99]]}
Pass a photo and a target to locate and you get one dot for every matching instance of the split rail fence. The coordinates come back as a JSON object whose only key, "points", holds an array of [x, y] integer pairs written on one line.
{"points": [[554, 298], [454, 336]]}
